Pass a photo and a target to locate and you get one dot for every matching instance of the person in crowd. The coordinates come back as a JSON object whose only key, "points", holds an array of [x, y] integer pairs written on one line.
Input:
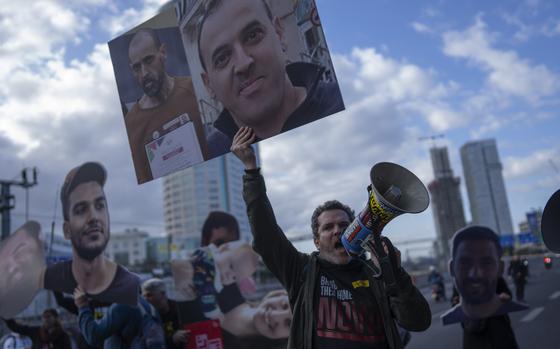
{"points": [[518, 270], [50, 335], [122, 326], [153, 290]]}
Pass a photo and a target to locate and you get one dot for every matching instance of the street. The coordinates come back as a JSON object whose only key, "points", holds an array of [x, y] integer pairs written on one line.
{"points": [[536, 327]]}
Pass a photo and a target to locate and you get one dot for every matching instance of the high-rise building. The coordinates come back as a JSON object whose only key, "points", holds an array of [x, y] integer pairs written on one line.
{"points": [[532, 224], [485, 186], [191, 194], [447, 205]]}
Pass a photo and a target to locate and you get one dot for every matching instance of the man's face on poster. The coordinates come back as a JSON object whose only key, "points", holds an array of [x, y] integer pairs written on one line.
{"points": [[476, 267], [21, 262], [241, 49], [147, 62], [88, 220]]}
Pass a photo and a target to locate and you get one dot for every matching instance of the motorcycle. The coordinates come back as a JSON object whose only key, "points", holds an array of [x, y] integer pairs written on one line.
{"points": [[547, 262], [438, 293]]}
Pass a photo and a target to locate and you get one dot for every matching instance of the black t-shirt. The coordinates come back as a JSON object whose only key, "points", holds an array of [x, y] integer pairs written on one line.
{"points": [[124, 289], [346, 312], [490, 333], [170, 323]]}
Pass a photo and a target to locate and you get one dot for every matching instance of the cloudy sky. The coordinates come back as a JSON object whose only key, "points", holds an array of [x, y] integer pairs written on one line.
{"points": [[469, 70]]}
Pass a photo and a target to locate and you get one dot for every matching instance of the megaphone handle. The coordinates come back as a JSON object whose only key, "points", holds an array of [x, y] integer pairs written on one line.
{"points": [[387, 272]]}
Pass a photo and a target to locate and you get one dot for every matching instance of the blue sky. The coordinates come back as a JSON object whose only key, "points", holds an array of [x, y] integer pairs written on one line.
{"points": [[470, 70]]}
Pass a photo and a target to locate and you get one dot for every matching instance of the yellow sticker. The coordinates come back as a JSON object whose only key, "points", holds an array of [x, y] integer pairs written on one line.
{"points": [[360, 283]]}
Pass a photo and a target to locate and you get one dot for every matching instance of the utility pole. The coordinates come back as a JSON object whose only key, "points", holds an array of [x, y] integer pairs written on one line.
{"points": [[8, 201]]}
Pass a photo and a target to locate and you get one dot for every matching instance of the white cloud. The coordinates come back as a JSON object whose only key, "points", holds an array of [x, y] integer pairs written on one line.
{"points": [[421, 27], [534, 163], [126, 19], [507, 72], [36, 32]]}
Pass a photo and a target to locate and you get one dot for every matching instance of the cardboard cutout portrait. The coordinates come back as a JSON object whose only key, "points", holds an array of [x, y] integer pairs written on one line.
{"points": [[218, 299], [160, 109], [21, 262], [87, 226], [476, 267], [252, 63]]}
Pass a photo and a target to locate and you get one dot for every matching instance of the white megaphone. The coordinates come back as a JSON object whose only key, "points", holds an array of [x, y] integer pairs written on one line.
{"points": [[394, 190], [550, 223]]}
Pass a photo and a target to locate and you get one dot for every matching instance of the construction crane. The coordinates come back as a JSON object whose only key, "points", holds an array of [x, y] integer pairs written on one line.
{"points": [[432, 138]]}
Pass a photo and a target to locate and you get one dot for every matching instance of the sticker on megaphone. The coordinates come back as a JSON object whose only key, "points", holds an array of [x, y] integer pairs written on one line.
{"points": [[371, 220], [394, 190]]}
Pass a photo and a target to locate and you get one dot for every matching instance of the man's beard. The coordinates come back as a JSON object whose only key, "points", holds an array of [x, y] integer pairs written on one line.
{"points": [[89, 253], [155, 88], [490, 291]]}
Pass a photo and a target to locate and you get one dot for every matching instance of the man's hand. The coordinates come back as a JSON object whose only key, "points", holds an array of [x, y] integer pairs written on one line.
{"points": [[241, 147], [180, 336], [395, 259], [80, 298]]}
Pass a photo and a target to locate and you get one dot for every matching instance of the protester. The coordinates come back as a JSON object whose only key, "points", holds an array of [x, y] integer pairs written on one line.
{"points": [[327, 280], [518, 271], [153, 290], [219, 228], [50, 335]]}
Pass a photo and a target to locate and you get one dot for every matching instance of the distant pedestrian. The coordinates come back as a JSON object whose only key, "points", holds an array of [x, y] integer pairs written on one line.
{"points": [[519, 270]]}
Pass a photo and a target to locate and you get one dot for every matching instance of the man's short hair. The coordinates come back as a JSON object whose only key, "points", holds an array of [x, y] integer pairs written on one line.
{"points": [[215, 220], [327, 206], [87, 172], [476, 232], [152, 33], [210, 7], [153, 285], [51, 311]]}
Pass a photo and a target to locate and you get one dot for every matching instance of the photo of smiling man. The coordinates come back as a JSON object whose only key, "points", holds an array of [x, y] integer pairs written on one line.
{"points": [[476, 266], [86, 225], [256, 71]]}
